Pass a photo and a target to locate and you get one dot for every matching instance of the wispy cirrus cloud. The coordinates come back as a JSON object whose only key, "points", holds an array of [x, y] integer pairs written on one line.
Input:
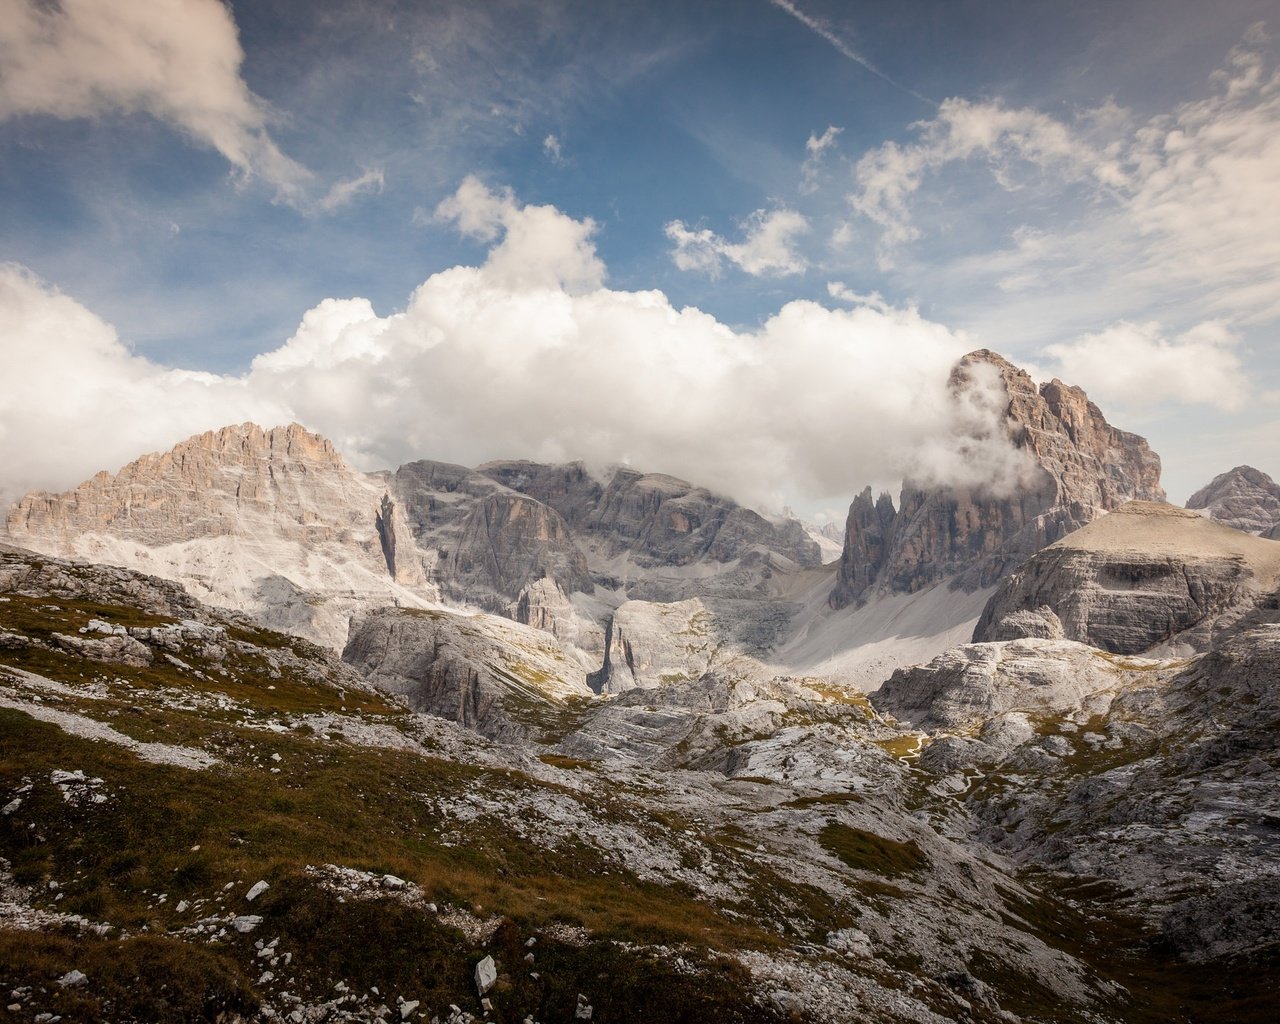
{"points": [[1175, 208], [824, 29], [816, 149]]}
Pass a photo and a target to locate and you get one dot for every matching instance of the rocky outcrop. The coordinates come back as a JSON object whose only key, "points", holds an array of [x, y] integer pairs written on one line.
{"points": [[970, 685], [1243, 498], [497, 677], [650, 645], [1153, 776], [207, 486], [1145, 575], [1075, 466], [509, 541]]}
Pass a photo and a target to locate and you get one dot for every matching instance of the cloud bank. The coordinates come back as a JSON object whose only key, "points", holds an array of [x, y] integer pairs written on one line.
{"points": [[527, 355]]}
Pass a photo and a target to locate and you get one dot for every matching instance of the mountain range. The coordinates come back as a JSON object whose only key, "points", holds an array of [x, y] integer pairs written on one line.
{"points": [[639, 751]]}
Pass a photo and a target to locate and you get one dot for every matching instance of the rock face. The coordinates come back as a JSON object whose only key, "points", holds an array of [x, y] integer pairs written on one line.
{"points": [[975, 683], [272, 522], [1243, 498], [651, 645], [1145, 575], [1077, 466], [494, 676], [653, 520], [275, 523]]}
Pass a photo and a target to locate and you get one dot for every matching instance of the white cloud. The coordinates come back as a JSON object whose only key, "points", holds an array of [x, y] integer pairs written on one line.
{"points": [[74, 400], [1179, 209], [342, 193], [1133, 366], [815, 149], [540, 247], [890, 175], [513, 359], [551, 146], [178, 60], [768, 245]]}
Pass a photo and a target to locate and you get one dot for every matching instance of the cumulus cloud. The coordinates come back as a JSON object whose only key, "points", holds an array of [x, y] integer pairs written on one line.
{"points": [[74, 400], [511, 359], [1132, 365], [767, 247], [177, 60], [540, 247]]}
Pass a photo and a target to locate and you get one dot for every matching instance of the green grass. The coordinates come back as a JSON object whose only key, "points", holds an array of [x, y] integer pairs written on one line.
{"points": [[866, 851]]}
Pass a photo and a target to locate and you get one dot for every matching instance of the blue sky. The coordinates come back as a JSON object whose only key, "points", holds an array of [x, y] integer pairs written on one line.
{"points": [[1001, 173]]}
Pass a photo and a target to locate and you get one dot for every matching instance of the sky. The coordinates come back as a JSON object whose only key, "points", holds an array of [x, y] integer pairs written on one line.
{"points": [[741, 242]]}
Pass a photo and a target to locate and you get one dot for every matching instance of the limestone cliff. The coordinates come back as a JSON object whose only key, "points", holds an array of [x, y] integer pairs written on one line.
{"points": [[272, 522], [1076, 466], [1143, 576]]}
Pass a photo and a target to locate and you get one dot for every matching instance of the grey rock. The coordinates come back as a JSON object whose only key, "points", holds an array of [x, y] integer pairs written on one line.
{"points": [[1145, 575], [1077, 465], [489, 674], [1243, 498], [486, 975]]}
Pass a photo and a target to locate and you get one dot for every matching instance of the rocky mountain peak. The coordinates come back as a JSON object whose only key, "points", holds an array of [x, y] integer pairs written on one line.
{"points": [[1078, 465], [1243, 498]]}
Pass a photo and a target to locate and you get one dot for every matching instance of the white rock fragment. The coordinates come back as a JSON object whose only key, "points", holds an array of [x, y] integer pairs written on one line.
{"points": [[72, 979], [486, 975], [256, 890], [584, 1010], [407, 1008], [182, 906], [11, 806], [246, 923]]}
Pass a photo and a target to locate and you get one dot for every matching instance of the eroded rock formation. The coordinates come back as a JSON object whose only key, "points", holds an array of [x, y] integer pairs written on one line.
{"points": [[1144, 575], [1076, 466]]}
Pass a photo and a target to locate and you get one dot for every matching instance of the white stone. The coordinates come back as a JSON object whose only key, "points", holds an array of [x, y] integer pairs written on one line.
{"points": [[72, 979], [486, 975], [246, 923], [256, 890]]}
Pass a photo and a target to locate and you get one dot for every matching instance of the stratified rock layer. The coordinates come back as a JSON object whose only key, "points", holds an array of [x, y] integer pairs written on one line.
{"points": [[1139, 577], [1243, 498], [1077, 466]]}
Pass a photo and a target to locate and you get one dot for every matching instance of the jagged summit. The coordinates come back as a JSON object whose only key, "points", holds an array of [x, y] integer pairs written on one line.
{"points": [[1077, 466], [205, 485], [1244, 498]]}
